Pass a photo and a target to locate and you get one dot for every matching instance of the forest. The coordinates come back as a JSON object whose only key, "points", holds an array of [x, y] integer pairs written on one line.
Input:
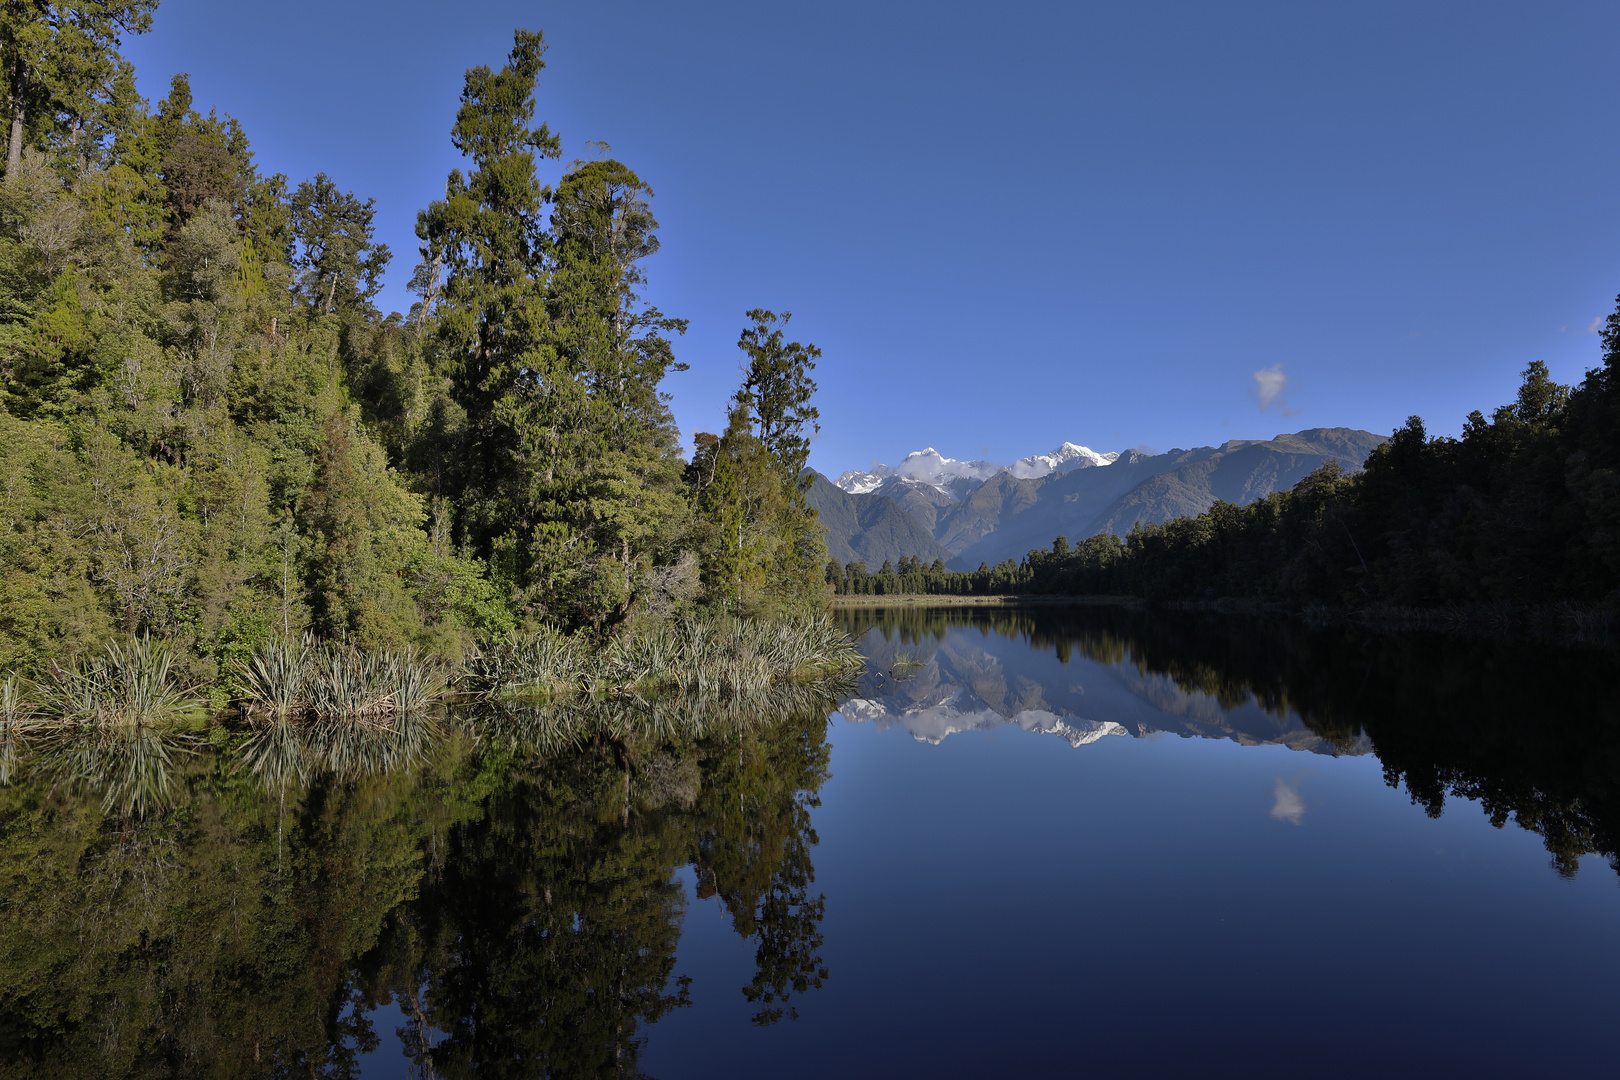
{"points": [[1523, 510], [214, 438]]}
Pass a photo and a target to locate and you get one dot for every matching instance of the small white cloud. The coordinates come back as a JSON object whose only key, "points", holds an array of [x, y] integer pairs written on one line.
{"points": [[1287, 805], [1269, 385], [1595, 325]]}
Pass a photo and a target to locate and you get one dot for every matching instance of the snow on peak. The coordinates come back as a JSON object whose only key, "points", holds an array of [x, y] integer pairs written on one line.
{"points": [[1064, 458], [936, 470]]}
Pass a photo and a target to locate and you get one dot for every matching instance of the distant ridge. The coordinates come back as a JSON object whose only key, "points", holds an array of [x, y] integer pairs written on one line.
{"points": [[968, 512], [869, 527]]}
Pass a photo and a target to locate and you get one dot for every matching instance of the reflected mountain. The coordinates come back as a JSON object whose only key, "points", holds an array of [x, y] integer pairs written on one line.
{"points": [[1529, 731], [935, 672]]}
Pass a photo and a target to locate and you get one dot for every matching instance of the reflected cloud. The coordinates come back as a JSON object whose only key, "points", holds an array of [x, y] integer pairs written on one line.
{"points": [[1287, 803]]}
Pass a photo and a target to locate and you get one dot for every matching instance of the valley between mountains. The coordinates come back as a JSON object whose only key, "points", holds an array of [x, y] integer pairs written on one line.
{"points": [[967, 512]]}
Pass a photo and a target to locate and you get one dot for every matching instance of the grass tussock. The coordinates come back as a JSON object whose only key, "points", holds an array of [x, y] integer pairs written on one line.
{"points": [[287, 680], [714, 657], [131, 684]]}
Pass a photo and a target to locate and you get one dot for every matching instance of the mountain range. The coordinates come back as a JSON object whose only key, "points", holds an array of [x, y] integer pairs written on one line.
{"points": [[931, 467], [968, 512]]}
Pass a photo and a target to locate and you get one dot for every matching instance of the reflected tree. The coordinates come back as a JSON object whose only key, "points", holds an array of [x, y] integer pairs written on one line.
{"points": [[1526, 729], [508, 883]]}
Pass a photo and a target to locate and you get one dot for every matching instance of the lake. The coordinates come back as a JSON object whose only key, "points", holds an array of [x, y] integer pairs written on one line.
{"points": [[1040, 841]]}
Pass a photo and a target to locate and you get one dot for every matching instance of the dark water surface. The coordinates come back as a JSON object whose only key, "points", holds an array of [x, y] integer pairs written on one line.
{"points": [[1046, 842]]}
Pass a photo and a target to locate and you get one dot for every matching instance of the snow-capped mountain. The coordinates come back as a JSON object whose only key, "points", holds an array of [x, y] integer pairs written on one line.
{"points": [[935, 723], [936, 470], [1068, 456]]}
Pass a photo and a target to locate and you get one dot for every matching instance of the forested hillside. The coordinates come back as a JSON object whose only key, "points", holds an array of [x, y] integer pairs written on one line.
{"points": [[1522, 510], [873, 528], [213, 435]]}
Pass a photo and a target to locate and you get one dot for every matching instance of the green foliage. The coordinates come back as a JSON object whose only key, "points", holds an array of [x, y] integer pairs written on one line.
{"points": [[66, 84], [214, 437], [513, 894], [761, 545]]}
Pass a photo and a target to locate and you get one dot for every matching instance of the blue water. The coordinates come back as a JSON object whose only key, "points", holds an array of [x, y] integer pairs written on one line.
{"points": [[1004, 904], [1043, 842], [1204, 888]]}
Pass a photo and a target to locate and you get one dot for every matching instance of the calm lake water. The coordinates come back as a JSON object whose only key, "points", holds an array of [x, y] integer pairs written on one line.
{"points": [[1054, 841]]}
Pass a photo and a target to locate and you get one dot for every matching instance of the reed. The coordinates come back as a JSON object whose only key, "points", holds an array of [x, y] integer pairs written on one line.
{"points": [[276, 676], [347, 684], [17, 710], [286, 681], [534, 666], [18, 718], [130, 685]]}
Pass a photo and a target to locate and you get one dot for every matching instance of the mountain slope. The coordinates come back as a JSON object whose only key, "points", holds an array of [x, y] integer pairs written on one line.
{"points": [[873, 527], [924, 502], [1157, 488], [1241, 473]]}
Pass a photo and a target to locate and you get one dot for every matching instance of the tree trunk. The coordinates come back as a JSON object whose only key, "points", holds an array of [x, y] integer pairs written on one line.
{"points": [[14, 149], [16, 86]]}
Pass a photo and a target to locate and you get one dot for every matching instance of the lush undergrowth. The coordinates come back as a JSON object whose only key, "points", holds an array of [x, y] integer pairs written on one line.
{"points": [[133, 685]]}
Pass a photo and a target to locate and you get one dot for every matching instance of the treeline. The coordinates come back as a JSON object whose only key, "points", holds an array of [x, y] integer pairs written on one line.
{"points": [[1523, 509], [912, 578], [213, 435]]}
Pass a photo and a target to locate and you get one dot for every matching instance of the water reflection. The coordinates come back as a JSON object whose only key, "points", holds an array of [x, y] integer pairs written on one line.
{"points": [[1530, 732], [507, 881], [244, 905], [1073, 673]]}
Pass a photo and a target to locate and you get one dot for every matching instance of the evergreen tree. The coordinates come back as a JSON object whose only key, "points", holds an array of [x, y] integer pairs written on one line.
{"points": [[63, 72], [488, 239], [336, 259], [760, 539]]}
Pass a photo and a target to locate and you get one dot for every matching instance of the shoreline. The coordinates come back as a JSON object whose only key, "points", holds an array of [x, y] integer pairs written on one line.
{"points": [[1563, 623], [1007, 600]]}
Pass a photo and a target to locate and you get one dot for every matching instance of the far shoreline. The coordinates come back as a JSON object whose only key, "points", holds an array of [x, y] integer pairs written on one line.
{"points": [[945, 600]]}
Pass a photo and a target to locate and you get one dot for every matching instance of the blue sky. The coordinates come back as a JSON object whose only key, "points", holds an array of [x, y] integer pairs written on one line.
{"points": [[1016, 224]]}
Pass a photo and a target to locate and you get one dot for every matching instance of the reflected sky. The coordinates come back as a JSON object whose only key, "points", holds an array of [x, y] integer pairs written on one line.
{"points": [[1001, 902]]}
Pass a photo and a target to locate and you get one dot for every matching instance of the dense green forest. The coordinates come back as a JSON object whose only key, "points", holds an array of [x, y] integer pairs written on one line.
{"points": [[213, 436], [1523, 509]]}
